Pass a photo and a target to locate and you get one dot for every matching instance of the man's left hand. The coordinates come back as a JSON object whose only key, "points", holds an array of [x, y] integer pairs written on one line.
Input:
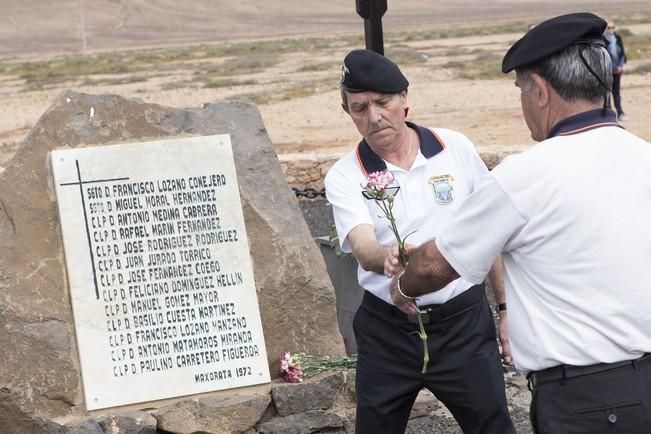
{"points": [[507, 358], [392, 265]]}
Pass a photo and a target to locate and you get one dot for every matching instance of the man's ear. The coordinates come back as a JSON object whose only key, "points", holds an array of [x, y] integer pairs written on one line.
{"points": [[405, 105], [541, 88], [345, 107]]}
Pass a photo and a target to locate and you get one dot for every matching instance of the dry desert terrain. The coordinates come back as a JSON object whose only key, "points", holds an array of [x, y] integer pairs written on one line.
{"points": [[286, 57]]}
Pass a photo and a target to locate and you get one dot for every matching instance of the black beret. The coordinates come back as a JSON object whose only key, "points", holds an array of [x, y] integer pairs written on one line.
{"points": [[367, 70], [552, 36]]}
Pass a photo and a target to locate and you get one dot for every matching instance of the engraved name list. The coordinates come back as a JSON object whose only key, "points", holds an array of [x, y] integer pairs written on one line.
{"points": [[159, 269]]}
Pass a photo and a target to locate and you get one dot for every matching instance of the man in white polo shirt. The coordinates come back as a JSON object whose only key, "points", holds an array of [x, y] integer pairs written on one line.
{"points": [[570, 217], [435, 170]]}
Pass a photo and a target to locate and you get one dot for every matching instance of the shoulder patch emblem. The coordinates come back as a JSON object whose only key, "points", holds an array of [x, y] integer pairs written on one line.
{"points": [[443, 191]]}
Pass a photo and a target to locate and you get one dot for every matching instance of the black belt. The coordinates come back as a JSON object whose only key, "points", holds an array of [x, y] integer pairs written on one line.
{"points": [[563, 372], [430, 313]]}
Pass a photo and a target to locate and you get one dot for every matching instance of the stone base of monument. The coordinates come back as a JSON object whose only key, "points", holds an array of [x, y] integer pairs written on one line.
{"points": [[322, 404]]}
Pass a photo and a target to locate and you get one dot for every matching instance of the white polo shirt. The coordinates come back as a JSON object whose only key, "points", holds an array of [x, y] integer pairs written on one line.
{"points": [[572, 219], [446, 170]]}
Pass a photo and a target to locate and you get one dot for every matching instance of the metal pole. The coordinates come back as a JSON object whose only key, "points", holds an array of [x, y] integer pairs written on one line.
{"points": [[373, 34], [372, 12], [82, 25]]}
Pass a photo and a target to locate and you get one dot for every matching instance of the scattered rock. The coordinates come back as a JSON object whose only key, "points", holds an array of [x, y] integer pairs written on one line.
{"points": [[432, 425], [86, 427], [426, 404], [133, 422]]}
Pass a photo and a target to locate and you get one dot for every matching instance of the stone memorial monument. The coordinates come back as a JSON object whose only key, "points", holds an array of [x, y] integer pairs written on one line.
{"points": [[125, 259]]}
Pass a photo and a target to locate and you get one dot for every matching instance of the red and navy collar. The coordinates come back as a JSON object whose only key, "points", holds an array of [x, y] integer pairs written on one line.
{"points": [[585, 121], [369, 161]]}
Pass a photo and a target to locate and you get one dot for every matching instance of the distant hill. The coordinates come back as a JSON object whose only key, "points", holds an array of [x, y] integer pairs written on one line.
{"points": [[32, 27]]}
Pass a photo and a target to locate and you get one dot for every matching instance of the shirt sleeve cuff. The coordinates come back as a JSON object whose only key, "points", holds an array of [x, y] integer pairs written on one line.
{"points": [[458, 266]]}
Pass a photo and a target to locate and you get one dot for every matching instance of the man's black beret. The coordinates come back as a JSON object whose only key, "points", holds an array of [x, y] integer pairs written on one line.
{"points": [[367, 70], [552, 36]]}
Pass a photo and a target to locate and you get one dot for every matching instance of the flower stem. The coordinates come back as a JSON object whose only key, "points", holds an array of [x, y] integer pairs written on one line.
{"points": [[387, 209], [423, 337], [402, 256]]}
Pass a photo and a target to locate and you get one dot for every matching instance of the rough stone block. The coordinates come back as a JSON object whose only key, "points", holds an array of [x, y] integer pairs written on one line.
{"points": [[314, 421], [213, 415], [13, 420], [317, 393]]}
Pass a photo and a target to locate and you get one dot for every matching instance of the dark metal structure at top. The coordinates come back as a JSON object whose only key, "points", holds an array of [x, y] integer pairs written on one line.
{"points": [[372, 12]]}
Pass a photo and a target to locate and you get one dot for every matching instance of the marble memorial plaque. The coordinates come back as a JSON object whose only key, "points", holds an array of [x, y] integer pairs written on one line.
{"points": [[161, 281]]}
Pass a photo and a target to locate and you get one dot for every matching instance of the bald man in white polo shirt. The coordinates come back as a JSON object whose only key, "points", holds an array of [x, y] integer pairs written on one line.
{"points": [[571, 218], [435, 170]]}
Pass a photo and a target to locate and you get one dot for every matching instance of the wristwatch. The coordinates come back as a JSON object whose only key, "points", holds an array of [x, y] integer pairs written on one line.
{"points": [[500, 307]]}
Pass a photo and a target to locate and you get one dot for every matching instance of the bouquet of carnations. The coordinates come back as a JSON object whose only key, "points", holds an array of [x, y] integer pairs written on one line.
{"points": [[290, 368]]}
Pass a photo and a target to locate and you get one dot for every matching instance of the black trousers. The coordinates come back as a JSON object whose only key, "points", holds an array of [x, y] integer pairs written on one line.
{"points": [[617, 97], [464, 372], [610, 398]]}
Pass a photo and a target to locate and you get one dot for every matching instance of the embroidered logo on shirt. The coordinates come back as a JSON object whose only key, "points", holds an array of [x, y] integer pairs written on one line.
{"points": [[443, 191]]}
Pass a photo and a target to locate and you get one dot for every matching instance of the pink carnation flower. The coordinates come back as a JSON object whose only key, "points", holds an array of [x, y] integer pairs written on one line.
{"points": [[290, 369], [379, 181]]}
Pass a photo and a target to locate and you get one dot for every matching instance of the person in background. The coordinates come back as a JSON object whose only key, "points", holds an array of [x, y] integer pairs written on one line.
{"points": [[435, 170], [615, 47]]}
